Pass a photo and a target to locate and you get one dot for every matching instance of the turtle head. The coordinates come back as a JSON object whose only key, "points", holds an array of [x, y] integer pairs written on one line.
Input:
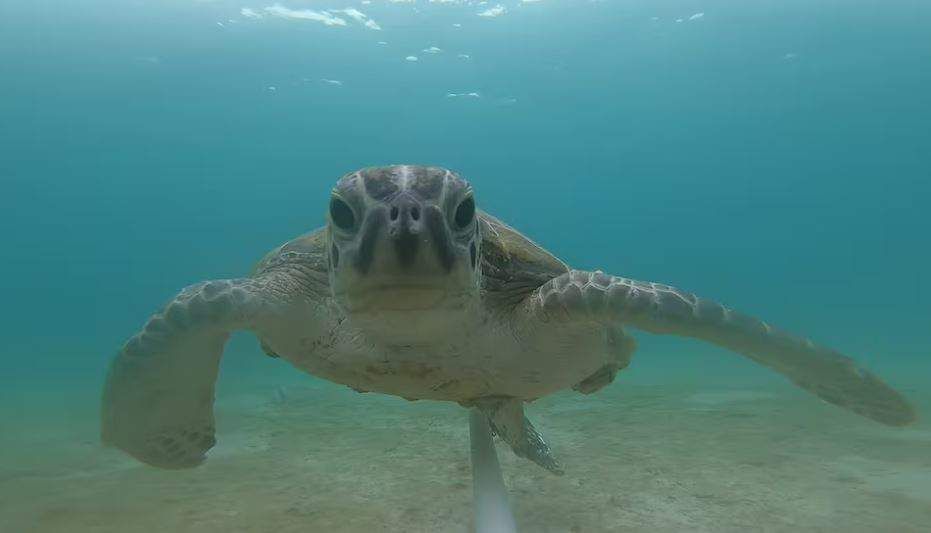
{"points": [[404, 241]]}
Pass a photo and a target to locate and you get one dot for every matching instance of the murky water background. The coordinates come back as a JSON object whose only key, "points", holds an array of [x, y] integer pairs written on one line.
{"points": [[771, 155]]}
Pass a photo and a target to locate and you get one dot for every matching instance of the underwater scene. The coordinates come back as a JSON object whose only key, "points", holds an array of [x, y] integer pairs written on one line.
{"points": [[516, 265]]}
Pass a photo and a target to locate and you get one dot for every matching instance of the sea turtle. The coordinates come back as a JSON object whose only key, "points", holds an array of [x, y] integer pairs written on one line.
{"points": [[411, 290]]}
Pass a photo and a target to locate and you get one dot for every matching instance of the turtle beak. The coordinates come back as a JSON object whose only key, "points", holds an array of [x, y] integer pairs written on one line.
{"points": [[416, 237], [405, 228]]}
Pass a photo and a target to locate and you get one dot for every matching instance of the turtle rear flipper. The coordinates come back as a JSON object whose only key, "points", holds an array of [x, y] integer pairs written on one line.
{"points": [[507, 420], [268, 350], [158, 396]]}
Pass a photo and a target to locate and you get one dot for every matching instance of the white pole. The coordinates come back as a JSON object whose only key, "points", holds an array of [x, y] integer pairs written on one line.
{"points": [[492, 512]]}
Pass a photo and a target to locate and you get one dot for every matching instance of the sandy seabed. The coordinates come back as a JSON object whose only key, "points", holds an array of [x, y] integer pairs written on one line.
{"points": [[637, 458]]}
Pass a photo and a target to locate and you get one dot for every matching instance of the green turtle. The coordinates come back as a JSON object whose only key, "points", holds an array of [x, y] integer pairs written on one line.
{"points": [[411, 290]]}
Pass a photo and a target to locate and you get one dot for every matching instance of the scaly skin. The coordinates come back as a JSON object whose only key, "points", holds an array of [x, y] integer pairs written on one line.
{"points": [[579, 296], [158, 397]]}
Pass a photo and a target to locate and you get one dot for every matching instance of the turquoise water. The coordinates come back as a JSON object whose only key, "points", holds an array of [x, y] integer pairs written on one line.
{"points": [[771, 155]]}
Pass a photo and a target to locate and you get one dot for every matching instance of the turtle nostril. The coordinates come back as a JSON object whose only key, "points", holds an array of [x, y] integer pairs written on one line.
{"points": [[415, 213], [394, 213]]}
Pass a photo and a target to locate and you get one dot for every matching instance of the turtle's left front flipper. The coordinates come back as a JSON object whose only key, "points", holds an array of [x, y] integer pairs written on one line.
{"points": [[158, 396], [507, 420], [656, 308]]}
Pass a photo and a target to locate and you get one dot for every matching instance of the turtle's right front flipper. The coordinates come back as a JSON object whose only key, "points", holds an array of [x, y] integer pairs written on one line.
{"points": [[656, 308], [158, 397]]}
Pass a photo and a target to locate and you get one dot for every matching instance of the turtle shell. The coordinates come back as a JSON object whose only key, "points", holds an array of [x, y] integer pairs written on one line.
{"points": [[513, 266]]}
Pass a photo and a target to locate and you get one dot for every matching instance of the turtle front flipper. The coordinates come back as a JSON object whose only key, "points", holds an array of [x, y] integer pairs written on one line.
{"points": [[158, 396], [661, 309], [507, 420]]}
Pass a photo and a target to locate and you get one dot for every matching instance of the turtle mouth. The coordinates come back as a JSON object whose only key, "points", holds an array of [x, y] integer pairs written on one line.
{"points": [[396, 297]]}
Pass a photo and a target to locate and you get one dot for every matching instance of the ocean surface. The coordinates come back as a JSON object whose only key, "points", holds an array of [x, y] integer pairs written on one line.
{"points": [[774, 155]]}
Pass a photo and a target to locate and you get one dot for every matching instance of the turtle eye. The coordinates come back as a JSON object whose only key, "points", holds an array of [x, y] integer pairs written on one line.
{"points": [[341, 214], [465, 212]]}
